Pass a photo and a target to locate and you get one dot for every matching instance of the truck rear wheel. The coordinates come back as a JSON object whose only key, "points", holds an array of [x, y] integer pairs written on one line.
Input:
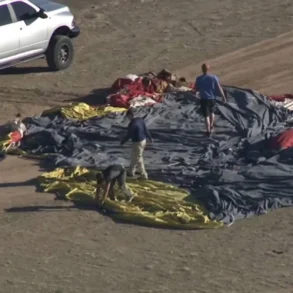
{"points": [[60, 53]]}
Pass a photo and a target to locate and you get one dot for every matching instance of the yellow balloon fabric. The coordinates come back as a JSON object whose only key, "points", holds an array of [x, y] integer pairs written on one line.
{"points": [[155, 203], [82, 111], [4, 141]]}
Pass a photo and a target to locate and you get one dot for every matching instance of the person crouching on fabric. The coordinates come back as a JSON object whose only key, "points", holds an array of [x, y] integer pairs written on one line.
{"points": [[106, 181], [138, 133]]}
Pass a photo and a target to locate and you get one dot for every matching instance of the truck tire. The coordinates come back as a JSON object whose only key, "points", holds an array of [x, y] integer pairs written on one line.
{"points": [[60, 53]]}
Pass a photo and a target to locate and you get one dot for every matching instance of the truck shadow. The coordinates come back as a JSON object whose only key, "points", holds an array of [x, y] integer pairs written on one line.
{"points": [[24, 70]]}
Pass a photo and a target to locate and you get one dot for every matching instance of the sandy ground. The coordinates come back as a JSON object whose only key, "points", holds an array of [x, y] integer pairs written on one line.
{"points": [[50, 246]]}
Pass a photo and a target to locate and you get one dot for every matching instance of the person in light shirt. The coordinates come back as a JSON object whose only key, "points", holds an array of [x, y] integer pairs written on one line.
{"points": [[21, 128]]}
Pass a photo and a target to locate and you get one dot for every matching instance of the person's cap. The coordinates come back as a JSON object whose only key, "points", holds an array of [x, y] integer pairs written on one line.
{"points": [[205, 67]]}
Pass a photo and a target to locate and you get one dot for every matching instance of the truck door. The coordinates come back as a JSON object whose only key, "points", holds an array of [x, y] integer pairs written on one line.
{"points": [[33, 31], [9, 35]]}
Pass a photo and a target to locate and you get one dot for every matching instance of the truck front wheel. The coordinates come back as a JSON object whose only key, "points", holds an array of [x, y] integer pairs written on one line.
{"points": [[60, 53]]}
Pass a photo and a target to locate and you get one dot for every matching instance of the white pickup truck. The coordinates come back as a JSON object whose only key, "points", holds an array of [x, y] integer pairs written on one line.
{"points": [[33, 29]]}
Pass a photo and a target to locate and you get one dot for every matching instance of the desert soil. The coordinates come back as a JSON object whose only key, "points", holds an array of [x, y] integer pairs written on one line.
{"points": [[49, 246]]}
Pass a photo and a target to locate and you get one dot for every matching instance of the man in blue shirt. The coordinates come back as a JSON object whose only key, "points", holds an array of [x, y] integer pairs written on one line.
{"points": [[209, 87], [138, 133]]}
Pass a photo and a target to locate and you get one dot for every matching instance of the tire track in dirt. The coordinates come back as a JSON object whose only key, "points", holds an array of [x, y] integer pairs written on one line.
{"points": [[266, 67], [34, 96]]}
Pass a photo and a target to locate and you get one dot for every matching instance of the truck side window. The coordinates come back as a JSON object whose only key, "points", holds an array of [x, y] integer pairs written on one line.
{"points": [[22, 10], [5, 17]]}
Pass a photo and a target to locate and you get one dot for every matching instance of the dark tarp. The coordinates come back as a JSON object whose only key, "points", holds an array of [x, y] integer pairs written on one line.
{"points": [[233, 173]]}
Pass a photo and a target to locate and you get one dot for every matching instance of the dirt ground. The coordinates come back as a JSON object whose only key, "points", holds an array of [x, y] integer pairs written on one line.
{"points": [[49, 246]]}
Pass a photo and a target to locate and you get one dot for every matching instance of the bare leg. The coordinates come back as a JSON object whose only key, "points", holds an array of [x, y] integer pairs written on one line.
{"points": [[105, 195], [208, 124], [212, 121]]}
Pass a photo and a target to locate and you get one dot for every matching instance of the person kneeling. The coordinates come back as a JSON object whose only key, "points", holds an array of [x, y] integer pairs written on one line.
{"points": [[106, 181]]}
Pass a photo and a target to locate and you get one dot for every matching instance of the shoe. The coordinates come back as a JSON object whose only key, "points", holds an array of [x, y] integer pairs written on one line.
{"points": [[143, 178]]}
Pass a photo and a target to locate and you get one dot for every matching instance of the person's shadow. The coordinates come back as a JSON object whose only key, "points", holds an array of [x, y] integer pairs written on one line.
{"points": [[42, 208], [30, 182], [87, 204]]}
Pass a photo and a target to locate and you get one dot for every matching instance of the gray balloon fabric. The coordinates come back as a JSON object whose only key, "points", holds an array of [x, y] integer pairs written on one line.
{"points": [[233, 174]]}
